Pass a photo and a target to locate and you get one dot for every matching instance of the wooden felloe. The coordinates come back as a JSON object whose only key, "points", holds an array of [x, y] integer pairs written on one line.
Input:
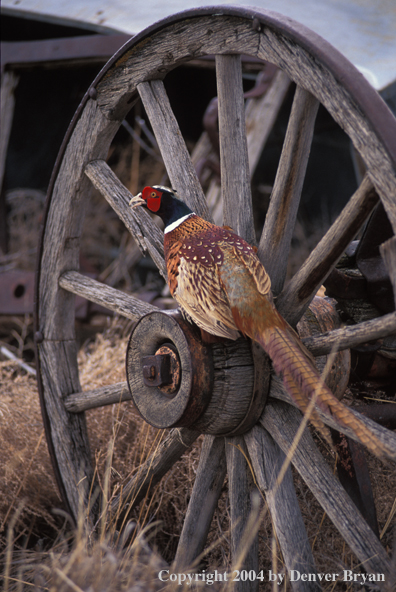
{"points": [[222, 385]]}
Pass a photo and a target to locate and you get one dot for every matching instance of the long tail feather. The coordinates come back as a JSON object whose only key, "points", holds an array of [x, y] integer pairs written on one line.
{"points": [[296, 367], [304, 403]]}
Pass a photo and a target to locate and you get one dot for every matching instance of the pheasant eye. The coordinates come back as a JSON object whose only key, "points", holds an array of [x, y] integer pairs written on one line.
{"points": [[153, 194]]}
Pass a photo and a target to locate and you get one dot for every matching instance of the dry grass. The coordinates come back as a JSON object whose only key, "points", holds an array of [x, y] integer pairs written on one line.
{"points": [[44, 552], [26, 475], [40, 550]]}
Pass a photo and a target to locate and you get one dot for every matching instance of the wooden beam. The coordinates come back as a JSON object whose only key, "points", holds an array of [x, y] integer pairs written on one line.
{"points": [[282, 421], [235, 175], [124, 304], [280, 220]]}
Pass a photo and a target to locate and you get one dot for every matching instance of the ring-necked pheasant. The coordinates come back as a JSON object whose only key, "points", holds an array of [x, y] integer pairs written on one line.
{"points": [[217, 278]]}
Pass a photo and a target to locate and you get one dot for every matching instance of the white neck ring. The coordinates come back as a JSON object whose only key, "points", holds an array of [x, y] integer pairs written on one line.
{"points": [[177, 223]]}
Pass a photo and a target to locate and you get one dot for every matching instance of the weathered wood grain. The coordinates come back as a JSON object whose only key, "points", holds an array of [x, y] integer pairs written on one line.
{"points": [[190, 398], [261, 114], [167, 453], [267, 460], [243, 544], [157, 54], [387, 437], [233, 366], [124, 304], [280, 220], [216, 384], [295, 298], [97, 123], [172, 146], [322, 316], [139, 223], [232, 387], [69, 437], [203, 502], [351, 336], [61, 240], [57, 360], [235, 175], [99, 397], [320, 79], [282, 422], [221, 34]]}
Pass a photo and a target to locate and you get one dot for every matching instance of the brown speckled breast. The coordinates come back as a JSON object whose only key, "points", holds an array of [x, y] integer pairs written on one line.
{"points": [[200, 242], [206, 265]]}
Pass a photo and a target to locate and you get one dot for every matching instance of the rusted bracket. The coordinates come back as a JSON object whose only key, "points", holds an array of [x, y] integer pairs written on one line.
{"points": [[370, 262], [371, 280]]}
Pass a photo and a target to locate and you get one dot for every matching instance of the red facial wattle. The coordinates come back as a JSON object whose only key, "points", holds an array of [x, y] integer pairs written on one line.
{"points": [[152, 197]]}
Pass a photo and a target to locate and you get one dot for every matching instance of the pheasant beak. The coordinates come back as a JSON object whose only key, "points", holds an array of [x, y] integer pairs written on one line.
{"points": [[137, 201]]}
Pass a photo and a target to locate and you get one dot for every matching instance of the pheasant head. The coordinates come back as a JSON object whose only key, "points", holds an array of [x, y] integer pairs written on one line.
{"points": [[163, 202]]}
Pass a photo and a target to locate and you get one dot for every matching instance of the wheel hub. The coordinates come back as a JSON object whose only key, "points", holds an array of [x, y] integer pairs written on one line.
{"points": [[169, 371], [177, 380], [163, 369]]}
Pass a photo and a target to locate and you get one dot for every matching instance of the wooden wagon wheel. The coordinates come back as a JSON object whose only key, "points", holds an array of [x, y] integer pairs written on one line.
{"points": [[321, 75]]}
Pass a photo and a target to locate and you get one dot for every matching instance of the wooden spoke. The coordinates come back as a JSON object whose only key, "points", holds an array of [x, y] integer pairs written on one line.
{"points": [[69, 434], [63, 226], [351, 336], [295, 298], [124, 304], [139, 223], [387, 437], [282, 421], [279, 224], [235, 174], [243, 544], [168, 452], [267, 460], [99, 397], [205, 494], [264, 110], [173, 149]]}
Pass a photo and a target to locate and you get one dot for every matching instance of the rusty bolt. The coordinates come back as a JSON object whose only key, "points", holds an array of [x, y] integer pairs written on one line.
{"points": [[163, 369], [149, 372], [156, 370], [256, 24], [38, 337]]}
